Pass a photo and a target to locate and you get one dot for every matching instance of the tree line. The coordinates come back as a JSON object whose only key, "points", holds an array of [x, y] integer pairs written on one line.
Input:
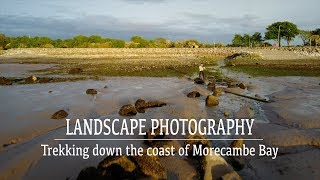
{"points": [[96, 41], [278, 31]]}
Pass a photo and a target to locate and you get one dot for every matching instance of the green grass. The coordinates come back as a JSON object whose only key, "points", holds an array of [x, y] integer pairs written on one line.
{"points": [[274, 70]]}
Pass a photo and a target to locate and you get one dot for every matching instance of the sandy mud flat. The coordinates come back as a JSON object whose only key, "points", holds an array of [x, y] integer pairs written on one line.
{"points": [[289, 121]]}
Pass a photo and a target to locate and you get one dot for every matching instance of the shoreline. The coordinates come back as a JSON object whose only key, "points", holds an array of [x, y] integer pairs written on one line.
{"points": [[33, 104]]}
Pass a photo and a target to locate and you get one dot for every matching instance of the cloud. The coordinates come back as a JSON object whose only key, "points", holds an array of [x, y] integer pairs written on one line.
{"points": [[107, 26], [240, 24], [203, 27]]}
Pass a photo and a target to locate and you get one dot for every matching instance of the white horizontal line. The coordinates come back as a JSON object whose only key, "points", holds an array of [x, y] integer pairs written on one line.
{"points": [[155, 139]]}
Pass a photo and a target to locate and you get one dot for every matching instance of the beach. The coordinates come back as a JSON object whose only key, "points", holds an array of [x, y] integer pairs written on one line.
{"points": [[289, 121]]}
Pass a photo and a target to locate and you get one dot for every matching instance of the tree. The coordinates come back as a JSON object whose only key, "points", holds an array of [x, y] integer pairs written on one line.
{"points": [[315, 39], [3, 41], [191, 43], [256, 39], [305, 36], [316, 32], [246, 40], [282, 30], [141, 43], [237, 40]]}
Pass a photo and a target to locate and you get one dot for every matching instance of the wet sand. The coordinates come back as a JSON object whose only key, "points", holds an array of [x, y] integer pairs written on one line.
{"points": [[294, 127], [19, 70], [290, 121]]}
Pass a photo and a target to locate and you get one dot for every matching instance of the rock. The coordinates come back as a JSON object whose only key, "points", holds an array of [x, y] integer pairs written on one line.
{"points": [[226, 114], [193, 94], [149, 137], [166, 144], [212, 101], [232, 84], [230, 176], [151, 166], [13, 141], [50, 92], [140, 105], [44, 80], [75, 71], [117, 167], [105, 87], [217, 92], [59, 115], [17, 80], [237, 162], [212, 86], [128, 110], [237, 143], [5, 81], [197, 140], [242, 86], [88, 173], [31, 79], [214, 167], [198, 81], [92, 91], [151, 104]]}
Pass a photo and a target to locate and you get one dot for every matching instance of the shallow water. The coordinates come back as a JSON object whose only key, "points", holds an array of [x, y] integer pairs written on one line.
{"points": [[27, 110], [21, 70]]}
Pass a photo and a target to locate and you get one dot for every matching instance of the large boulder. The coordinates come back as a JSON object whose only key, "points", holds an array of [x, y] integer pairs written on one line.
{"points": [[197, 140], [75, 71], [5, 81], [151, 166], [31, 79], [212, 101], [117, 167], [193, 94], [237, 162], [128, 110], [91, 91], [59, 114], [198, 81]]}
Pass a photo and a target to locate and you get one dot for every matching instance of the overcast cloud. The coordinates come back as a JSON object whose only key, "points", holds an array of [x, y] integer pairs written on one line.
{"points": [[205, 20]]}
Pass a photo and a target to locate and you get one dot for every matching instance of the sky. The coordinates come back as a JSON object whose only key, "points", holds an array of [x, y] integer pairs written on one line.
{"points": [[204, 20]]}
